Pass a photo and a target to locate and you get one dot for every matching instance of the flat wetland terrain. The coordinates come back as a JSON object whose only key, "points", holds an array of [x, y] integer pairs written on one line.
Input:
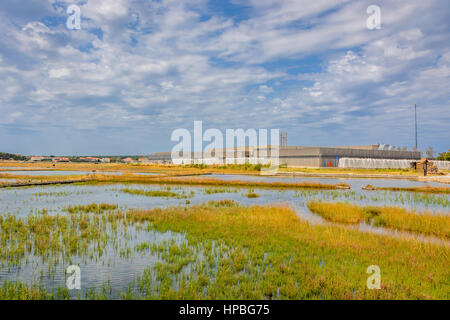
{"points": [[196, 232]]}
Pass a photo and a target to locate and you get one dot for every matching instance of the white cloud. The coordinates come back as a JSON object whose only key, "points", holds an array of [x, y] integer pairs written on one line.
{"points": [[158, 64], [59, 73], [265, 89]]}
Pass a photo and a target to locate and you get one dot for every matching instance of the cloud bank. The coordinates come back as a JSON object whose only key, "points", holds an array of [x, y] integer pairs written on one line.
{"points": [[137, 70]]}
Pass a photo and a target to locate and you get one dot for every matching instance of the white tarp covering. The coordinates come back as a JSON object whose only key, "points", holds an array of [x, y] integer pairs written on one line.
{"points": [[212, 161], [442, 165], [250, 160], [374, 163], [385, 163]]}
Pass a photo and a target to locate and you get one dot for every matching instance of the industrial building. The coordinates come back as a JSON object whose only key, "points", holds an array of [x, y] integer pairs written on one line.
{"points": [[330, 156], [160, 157], [296, 156]]}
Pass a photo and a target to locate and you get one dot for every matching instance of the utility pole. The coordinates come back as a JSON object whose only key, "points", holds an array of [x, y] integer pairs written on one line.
{"points": [[415, 121], [281, 140]]}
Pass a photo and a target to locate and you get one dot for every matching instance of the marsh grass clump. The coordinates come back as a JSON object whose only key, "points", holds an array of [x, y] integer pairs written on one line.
{"points": [[223, 203], [255, 184], [91, 208], [402, 219], [51, 194], [426, 189], [252, 194], [43, 211], [181, 179], [219, 190], [155, 193], [20, 291], [337, 212], [387, 217], [53, 238], [413, 199]]}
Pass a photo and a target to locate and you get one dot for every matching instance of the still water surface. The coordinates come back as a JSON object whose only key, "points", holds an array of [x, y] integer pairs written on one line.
{"points": [[118, 271]]}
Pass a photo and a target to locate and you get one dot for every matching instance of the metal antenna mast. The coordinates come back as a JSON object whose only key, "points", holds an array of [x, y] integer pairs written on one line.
{"points": [[415, 121]]}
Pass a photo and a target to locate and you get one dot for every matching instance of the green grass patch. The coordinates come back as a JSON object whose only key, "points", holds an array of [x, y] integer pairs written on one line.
{"points": [[272, 254], [92, 208], [388, 217], [154, 193], [427, 189], [231, 252]]}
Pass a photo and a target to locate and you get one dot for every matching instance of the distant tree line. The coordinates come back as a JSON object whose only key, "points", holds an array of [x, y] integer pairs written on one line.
{"points": [[10, 156], [112, 158], [444, 156]]}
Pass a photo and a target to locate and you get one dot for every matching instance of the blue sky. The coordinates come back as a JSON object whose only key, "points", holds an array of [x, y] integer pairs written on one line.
{"points": [[137, 70]]}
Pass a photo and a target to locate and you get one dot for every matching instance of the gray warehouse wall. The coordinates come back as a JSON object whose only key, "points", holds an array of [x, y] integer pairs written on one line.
{"points": [[312, 156], [375, 154], [324, 157], [300, 156]]}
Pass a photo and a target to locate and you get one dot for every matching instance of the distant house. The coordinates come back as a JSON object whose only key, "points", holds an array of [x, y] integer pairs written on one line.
{"points": [[90, 159], [128, 160], [40, 158], [105, 160], [60, 159], [36, 158], [143, 160], [160, 157]]}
